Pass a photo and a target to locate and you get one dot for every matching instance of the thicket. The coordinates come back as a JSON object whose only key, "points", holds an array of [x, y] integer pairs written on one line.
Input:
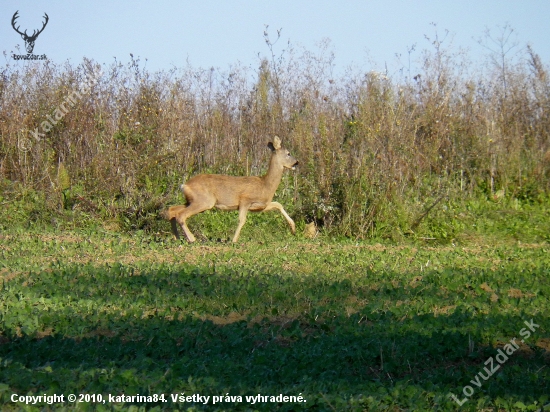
{"points": [[378, 151]]}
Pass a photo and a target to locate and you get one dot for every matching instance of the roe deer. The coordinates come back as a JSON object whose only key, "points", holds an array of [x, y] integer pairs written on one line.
{"points": [[242, 193]]}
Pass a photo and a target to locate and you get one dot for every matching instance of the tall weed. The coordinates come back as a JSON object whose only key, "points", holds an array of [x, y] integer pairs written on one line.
{"points": [[379, 154]]}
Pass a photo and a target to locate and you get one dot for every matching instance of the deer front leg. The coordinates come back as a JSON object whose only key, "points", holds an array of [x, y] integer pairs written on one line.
{"points": [[243, 210], [279, 207]]}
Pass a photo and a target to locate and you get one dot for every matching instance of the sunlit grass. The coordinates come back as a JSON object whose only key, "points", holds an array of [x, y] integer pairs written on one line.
{"points": [[350, 325]]}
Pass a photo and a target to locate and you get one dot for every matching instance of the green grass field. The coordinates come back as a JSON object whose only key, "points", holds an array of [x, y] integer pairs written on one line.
{"points": [[346, 325]]}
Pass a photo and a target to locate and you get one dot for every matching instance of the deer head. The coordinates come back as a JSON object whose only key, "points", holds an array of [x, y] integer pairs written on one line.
{"points": [[29, 40]]}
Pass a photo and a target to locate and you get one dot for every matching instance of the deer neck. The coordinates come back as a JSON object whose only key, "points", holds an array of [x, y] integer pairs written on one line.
{"points": [[274, 175]]}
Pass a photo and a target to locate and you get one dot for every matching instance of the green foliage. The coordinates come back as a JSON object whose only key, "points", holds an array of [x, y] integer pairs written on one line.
{"points": [[349, 325], [376, 152]]}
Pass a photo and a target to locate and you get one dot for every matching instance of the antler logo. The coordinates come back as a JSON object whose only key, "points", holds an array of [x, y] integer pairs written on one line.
{"points": [[29, 40]]}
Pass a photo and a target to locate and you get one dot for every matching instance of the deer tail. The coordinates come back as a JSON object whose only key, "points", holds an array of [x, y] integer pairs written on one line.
{"points": [[172, 212]]}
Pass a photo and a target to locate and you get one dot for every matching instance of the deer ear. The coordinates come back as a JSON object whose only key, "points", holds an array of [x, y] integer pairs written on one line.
{"points": [[271, 147], [277, 142]]}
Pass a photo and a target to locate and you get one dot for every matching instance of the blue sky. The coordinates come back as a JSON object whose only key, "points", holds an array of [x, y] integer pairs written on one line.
{"points": [[215, 33]]}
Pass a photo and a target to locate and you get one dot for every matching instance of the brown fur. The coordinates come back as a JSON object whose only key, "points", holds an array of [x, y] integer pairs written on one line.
{"points": [[242, 193]]}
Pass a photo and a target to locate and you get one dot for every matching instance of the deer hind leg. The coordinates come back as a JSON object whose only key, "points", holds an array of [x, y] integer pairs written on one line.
{"points": [[180, 214], [279, 207], [171, 213], [182, 221], [174, 227], [191, 210]]}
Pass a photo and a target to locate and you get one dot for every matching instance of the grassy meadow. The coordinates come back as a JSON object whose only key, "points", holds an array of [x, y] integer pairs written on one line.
{"points": [[425, 287], [348, 325]]}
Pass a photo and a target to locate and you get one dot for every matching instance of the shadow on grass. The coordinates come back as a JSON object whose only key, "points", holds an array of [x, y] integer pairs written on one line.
{"points": [[111, 330]]}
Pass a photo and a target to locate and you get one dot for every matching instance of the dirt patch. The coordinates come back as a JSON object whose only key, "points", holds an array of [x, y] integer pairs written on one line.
{"points": [[7, 275], [515, 293], [69, 238], [518, 294], [98, 332], [415, 281], [44, 333], [544, 343], [443, 310], [220, 320]]}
